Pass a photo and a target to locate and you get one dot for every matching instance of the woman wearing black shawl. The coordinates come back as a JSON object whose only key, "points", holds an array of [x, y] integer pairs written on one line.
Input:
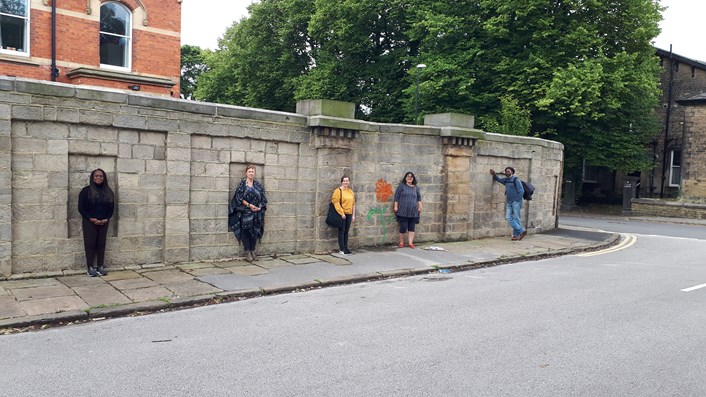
{"points": [[246, 212]]}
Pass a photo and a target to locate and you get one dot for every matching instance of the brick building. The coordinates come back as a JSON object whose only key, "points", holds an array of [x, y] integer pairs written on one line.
{"points": [[123, 44]]}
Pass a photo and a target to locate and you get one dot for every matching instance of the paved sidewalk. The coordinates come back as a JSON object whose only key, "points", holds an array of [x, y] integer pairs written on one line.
{"points": [[73, 296]]}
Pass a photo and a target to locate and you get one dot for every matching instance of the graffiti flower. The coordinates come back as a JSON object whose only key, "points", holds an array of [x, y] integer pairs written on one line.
{"points": [[383, 190]]}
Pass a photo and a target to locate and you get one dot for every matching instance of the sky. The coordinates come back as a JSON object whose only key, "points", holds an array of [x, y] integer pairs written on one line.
{"points": [[682, 20]]}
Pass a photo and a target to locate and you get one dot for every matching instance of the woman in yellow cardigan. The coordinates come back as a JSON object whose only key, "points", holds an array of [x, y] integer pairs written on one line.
{"points": [[344, 201]]}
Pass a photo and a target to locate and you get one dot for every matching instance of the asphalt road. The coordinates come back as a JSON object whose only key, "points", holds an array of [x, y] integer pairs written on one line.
{"points": [[625, 323]]}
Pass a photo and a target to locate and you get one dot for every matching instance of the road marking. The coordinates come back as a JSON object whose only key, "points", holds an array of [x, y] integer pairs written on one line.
{"points": [[627, 242], [694, 288]]}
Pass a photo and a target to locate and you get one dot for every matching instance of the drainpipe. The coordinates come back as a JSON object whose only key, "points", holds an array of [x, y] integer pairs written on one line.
{"points": [[666, 121], [54, 70]]}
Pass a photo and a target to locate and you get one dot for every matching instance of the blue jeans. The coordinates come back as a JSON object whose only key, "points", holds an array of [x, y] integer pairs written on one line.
{"points": [[512, 215]]}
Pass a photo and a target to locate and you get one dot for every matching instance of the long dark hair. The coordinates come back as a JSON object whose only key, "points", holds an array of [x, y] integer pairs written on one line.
{"points": [[404, 178], [100, 193]]}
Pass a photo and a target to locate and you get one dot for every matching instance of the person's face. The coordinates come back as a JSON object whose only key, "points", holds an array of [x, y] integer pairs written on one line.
{"points": [[508, 173], [409, 178], [250, 173], [345, 182], [98, 178]]}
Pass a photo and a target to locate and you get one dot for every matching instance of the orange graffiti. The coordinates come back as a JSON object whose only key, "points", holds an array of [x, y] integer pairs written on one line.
{"points": [[383, 190]]}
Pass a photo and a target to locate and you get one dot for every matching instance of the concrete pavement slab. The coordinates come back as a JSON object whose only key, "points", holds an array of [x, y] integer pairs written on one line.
{"points": [[198, 265], [9, 307], [248, 270], [3, 291], [79, 281], [133, 283], [274, 264], [205, 271], [30, 282], [233, 263], [51, 291], [167, 276], [101, 294], [148, 294], [299, 259], [53, 305], [121, 275], [192, 288], [332, 259]]}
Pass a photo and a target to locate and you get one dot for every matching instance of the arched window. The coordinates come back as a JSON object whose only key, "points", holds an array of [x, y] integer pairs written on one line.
{"points": [[14, 27], [115, 36]]}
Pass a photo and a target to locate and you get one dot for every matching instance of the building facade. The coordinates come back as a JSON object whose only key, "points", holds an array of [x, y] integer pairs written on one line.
{"points": [[121, 44]]}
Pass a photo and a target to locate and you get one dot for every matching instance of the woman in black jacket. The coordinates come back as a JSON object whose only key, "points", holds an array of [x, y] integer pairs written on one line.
{"points": [[96, 203]]}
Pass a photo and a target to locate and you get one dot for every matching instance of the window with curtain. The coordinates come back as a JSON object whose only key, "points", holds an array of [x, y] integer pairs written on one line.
{"points": [[14, 27], [115, 36]]}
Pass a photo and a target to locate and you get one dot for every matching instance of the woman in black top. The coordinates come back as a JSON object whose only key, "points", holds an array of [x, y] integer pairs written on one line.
{"points": [[407, 207], [96, 203], [246, 212]]}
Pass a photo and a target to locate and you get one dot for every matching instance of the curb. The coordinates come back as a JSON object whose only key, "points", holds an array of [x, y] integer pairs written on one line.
{"points": [[29, 323]]}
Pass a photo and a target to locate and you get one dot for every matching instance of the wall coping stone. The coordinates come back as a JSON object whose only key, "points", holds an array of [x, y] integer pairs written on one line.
{"points": [[45, 88], [105, 94], [337, 122], [527, 140], [242, 112], [7, 83], [172, 104], [120, 76]]}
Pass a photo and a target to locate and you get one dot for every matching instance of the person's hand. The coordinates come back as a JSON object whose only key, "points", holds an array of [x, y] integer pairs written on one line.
{"points": [[353, 219], [492, 172], [94, 221], [343, 216], [103, 221], [394, 209]]}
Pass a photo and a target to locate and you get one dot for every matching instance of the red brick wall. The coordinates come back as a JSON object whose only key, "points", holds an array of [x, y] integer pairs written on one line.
{"points": [[153, 53]]}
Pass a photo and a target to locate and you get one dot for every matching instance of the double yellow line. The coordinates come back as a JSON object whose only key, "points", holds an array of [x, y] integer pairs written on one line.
{"points": [[626, 242]]}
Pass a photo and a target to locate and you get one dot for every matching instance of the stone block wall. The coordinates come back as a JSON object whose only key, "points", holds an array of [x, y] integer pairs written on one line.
{"points": [[694, 165], [174, 165], [669, 209]]}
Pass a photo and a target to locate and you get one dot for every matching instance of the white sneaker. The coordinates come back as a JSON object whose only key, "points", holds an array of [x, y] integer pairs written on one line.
{"points": [[341, 253]]}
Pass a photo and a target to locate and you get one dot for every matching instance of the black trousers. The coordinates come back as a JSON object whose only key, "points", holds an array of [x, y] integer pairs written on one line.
{"points": [[343, 233], [94, 237], [249, 241]]}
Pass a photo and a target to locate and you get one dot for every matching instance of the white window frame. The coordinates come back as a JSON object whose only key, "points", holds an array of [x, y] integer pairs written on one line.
{"points": [[128, 37], [27, 19], [672, 167]]}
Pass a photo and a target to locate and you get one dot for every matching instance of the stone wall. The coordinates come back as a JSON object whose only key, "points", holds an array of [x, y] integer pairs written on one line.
{"points": [[174, 164], [669, 209]]}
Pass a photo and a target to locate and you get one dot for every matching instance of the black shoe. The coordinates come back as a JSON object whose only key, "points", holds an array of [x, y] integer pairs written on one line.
{"points": [[92, 271], [101, 271], [347, 252]]}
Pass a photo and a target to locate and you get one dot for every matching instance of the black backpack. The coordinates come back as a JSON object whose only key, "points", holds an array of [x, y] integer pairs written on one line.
{"points": [[529, 190]]}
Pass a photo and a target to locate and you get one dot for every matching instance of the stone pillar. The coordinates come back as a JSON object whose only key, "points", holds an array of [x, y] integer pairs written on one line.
{"points": [[5, 192], [176, 223], [333, 134], [458, 137]]}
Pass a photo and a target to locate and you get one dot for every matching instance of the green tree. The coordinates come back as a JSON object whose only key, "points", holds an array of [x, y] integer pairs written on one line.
{"points": [[260, 58], [582, 72], [193, 65]]}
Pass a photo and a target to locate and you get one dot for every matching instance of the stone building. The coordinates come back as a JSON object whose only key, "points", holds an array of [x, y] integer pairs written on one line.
{"points": [[680, 78], [174, 164], [122, 44]]}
